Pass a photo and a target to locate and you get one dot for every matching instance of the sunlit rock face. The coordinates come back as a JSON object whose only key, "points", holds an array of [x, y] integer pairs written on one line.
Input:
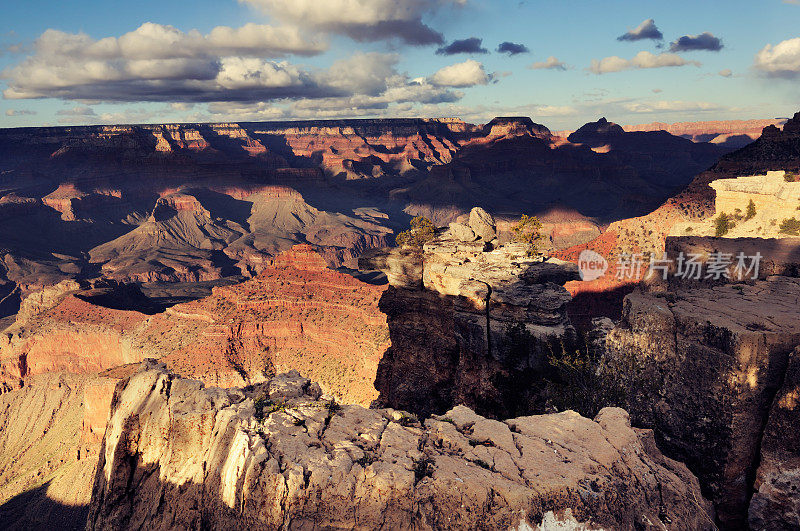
{"points": [[756, 206], [279, 454], [53, 428], [469, 324], [718, 360], [296, 314]]}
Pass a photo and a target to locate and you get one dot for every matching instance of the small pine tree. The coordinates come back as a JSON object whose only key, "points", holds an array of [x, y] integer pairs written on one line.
{"points": [[751, 211], [528, 230], [421, 232], [723, 224]]}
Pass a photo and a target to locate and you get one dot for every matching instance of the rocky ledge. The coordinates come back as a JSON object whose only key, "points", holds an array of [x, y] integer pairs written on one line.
{"points": [[280, 455]]}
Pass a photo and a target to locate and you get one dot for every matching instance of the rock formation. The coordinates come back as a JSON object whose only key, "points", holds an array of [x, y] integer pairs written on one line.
{"points": [[50, 437], [468, 323], [296, 314], [720, 362], [280, 455], [197, 202]]}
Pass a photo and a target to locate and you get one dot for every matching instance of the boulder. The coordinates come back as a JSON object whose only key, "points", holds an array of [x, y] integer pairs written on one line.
{"points": [[462, 232], [483, 224]]}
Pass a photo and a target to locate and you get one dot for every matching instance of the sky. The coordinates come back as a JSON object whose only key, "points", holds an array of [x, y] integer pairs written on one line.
{"points": [[561, 62]]}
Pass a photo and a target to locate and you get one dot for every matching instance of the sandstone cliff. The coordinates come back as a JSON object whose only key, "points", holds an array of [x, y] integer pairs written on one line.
{"points": [[279, 456], [50, 437]]}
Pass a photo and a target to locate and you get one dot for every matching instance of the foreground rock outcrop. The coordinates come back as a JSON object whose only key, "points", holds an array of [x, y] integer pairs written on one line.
{"points": [[279, 455], [469, 323]]}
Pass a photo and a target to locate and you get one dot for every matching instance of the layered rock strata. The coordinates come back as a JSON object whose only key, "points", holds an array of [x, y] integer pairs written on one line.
{"points": [[296, 314], [280, 455]]}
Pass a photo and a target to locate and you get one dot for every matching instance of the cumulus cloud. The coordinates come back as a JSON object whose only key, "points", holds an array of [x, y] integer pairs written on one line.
{"points": [[466, 74], [550, 64], [20, 112], [473, 45], [161, 63], [647, 30], [361, 20], [689, 43], [781, 60], [642, 59], [512, 48]]}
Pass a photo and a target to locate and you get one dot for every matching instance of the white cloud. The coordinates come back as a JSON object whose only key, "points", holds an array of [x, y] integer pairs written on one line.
{"points": [[361, 20], [19, 112], [642, 59], [550, 64], [160, 63], [646, 30], [781, 60], [466, 74], [727, 72]]}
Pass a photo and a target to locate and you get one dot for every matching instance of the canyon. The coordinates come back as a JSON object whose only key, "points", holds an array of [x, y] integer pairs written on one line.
{"points": [[214, 351], [296, 314], [199, 202]]}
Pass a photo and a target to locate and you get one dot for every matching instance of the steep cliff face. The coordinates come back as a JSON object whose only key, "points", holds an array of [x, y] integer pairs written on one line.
{"points": [[50, 438], [718, 361], [468, 325], [775, 503], [279, 455]]}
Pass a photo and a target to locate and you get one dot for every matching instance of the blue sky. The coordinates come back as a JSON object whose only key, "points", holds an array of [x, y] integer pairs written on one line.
{"points": [[341, 62]]}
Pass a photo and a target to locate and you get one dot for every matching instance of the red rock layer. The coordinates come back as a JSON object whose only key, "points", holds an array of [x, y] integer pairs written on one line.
{"points": [[296, 314]]}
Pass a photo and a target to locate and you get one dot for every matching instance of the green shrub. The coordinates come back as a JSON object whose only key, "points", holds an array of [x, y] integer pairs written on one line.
{"points": [[587, 381], [723, 224], [421, 232], [265, 407], [751, 211], [528, 230], [791, 177], [791, 227]]}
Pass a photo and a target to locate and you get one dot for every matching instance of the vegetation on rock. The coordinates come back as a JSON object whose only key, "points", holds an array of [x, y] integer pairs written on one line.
{"points": [[723, 224], [421, 232], [528, 230], [790, 226], [751, 211]]}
